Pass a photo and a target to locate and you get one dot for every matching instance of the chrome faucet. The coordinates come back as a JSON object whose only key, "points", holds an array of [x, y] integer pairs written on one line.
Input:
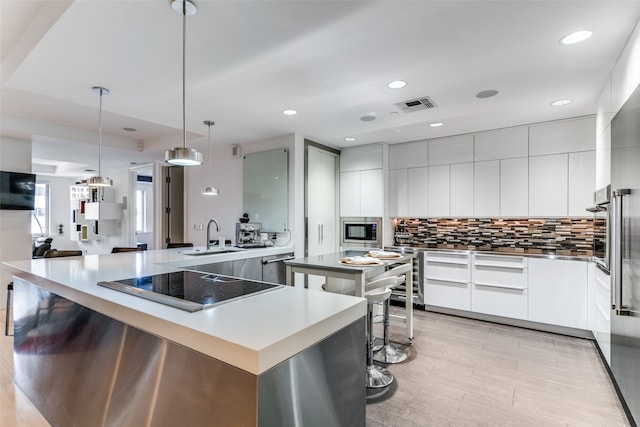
{"points": [[209, 233]]}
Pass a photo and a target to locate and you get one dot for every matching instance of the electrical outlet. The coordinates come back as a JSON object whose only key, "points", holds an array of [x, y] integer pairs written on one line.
{"points": [[198, 227]]}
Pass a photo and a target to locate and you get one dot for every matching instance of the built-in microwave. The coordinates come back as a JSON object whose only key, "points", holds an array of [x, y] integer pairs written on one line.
{"points": [[361, 232]]}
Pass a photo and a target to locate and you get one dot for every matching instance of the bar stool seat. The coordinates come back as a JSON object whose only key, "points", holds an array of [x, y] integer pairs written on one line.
{"points": [[377, 376], [388, 353]]}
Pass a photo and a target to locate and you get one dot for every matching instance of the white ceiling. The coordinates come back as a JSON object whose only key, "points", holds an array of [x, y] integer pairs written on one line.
{"points": [[330, 60]]}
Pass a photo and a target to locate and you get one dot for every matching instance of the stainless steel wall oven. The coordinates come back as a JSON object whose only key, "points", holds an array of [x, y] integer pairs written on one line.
{"points": [[602, 227]]}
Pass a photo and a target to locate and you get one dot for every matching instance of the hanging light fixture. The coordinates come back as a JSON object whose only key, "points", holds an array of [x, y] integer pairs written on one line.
{"points": [[100, 181], [183, 156], [210, 190]]}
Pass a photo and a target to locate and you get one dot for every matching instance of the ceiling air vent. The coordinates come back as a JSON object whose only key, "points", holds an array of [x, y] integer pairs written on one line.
{"points": [[422, 103]]}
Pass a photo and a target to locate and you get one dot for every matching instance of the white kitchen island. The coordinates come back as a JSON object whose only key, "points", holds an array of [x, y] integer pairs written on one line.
{"points": [[88, 355]]}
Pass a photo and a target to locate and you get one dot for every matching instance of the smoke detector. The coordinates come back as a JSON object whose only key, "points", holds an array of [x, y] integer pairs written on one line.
{"points": [[422, 103]]}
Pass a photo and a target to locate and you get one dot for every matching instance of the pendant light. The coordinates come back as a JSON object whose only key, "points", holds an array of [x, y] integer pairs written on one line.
{"points": [[183, 156], [100, 181], [210, 190]]}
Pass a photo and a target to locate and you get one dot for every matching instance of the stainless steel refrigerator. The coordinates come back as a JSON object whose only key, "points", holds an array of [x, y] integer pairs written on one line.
{"points": [[625, 253]]}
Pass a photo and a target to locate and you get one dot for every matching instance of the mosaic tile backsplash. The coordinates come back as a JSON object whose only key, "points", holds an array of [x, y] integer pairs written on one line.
{"points": [[562, 236]]}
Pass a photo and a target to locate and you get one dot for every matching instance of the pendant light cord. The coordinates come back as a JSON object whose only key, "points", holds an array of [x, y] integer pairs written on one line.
{"points": [[184, 60], [100, 136], [210, 158]]}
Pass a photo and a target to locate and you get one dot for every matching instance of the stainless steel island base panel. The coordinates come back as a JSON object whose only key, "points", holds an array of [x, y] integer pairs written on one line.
{"points": [[80, 367]]}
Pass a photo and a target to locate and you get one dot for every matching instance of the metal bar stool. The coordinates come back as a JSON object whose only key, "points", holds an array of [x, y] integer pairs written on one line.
{"points": [[389, 353]]}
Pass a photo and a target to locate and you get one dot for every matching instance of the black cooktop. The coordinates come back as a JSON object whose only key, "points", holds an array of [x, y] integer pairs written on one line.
{"points": [[190, 290]]}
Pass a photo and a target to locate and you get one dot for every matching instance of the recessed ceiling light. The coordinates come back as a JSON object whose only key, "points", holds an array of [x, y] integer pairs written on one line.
{"points": [[436, 124], [289, 112], [561, 102], [396, 84], [577, 37], [368, 118], [350, 139], [129, 129], [487, 93]]}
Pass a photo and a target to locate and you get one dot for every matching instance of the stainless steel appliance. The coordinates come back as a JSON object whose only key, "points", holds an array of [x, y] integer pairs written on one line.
{"points": [[248, 235], [602, 234], [398, 294], [189, 290], [625, 254], [360, 232]]}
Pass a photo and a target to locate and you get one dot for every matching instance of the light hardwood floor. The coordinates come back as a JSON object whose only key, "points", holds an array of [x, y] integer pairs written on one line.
{"points": [[460, 372]]}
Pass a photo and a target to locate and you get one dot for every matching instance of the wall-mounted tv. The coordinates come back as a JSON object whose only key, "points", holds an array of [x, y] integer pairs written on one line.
{"points": [[17, 191]]}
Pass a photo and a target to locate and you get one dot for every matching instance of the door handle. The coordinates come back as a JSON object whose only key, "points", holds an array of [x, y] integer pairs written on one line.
{"points": [[618, 235]]}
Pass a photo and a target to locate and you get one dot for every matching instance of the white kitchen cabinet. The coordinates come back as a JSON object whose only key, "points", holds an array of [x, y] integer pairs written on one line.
{"points": [[486, 189], [582, 181], [418, 192], [408, 155], [447, 280], [103, 211], [548, 184], [499, 285], [502, 144], [565, 136], [602, 311], [439, 191], [514, 187], [350, 193], [361, 157], [361, 193], [371, 193], [398, 198], [452, 149], [462, 197], [558, 292]]}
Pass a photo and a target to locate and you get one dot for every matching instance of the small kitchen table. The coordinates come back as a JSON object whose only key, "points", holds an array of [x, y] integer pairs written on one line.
{"points": [[329, 265]]}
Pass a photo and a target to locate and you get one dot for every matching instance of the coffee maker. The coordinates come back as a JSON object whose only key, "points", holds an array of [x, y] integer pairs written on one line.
{"points": [[248, 235]]}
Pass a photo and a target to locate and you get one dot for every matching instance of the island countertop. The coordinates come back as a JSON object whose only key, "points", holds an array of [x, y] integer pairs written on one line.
{"points": [[254, 334]]}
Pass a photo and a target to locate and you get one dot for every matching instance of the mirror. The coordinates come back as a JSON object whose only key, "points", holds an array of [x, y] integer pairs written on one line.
{"points": [[266, 188]]}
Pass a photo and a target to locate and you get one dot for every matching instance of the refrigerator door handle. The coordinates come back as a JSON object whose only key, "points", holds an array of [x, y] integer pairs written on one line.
{"points": [[618, 236]]}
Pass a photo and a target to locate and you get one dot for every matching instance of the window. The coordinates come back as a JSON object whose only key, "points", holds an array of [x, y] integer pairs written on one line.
{"points": [[41, 213], [141, 211]]}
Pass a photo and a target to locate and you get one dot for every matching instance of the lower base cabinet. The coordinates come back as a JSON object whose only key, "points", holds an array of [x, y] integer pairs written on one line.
{"points": [[558, 292], [500, 286], [550, 291]]}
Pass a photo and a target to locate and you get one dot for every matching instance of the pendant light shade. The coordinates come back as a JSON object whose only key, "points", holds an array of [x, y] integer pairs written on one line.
{"points": [[183, 156], [100, 181], [210, 190]]}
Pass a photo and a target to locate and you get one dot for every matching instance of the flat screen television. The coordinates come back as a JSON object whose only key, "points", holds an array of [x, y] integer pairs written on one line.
{"points": [[17, 191]]}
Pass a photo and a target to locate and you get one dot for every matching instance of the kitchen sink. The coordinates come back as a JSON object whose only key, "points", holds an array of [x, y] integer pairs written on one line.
{"points": [[198, 252]]}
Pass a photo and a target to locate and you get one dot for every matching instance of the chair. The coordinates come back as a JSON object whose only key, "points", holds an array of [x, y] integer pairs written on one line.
{"points": [[179, 245], [388, 353], [51, 253], [124, 249], [375, 291], [55, 253]]}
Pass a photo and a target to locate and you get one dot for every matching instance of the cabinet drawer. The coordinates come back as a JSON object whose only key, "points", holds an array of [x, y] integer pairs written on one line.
{"points": [[500, 271], [446, 293], [500, 301]]}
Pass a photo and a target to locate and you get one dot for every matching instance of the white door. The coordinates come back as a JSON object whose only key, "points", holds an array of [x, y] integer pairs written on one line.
{"points": [[143, 204], [322, 190]]}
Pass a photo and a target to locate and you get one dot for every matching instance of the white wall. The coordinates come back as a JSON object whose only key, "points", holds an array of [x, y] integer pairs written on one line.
{"points": [[227, 177], [15, 226], [624, 78]]}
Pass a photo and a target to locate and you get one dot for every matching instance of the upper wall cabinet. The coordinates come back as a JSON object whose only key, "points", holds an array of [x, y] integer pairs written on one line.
{"points": [[361, 158], [562, 137], [582, 181], [461, 185], [486, 189], [502, 144], [548, 183], [408, 155], [361, 181], [449, 150], [514, 187]]}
